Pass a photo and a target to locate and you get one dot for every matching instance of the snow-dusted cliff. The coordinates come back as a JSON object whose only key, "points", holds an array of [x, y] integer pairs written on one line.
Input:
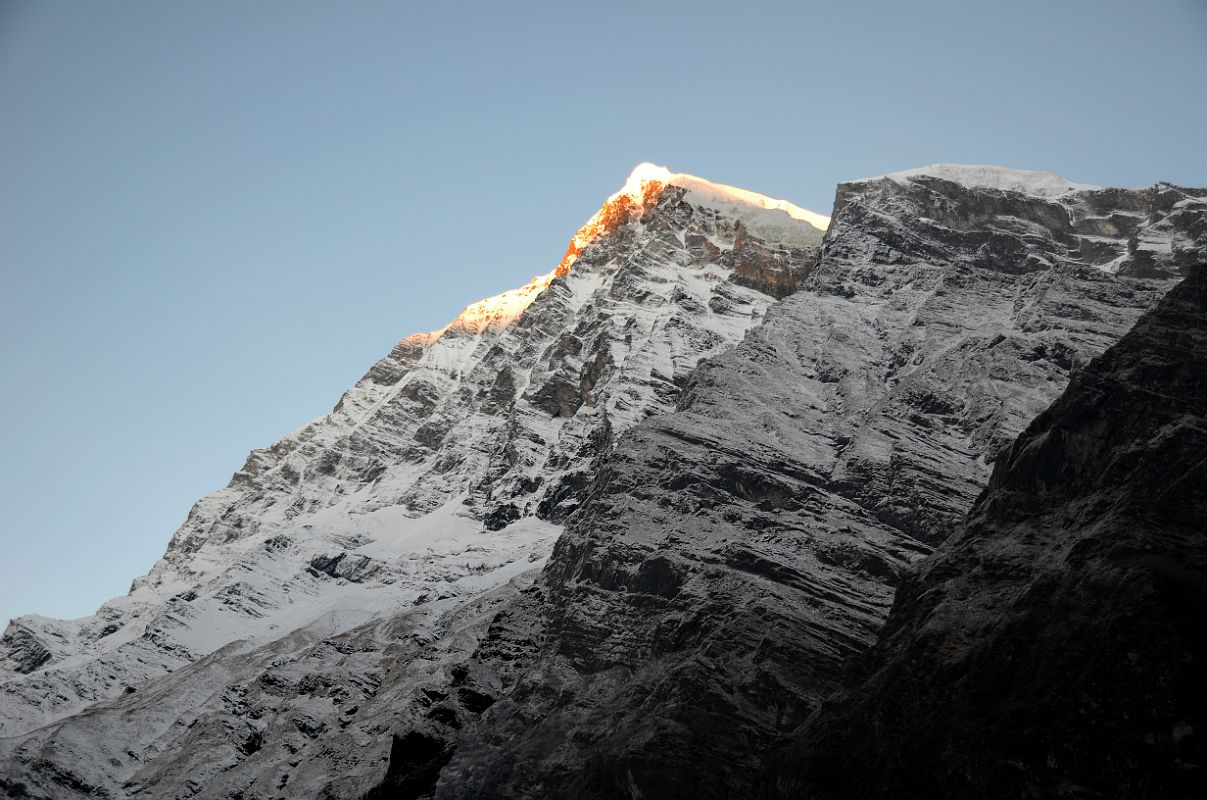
{"points": [[441, 476]]}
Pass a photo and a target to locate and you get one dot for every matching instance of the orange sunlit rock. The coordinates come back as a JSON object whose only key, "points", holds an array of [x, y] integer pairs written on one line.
{"points": [[642, 190]]}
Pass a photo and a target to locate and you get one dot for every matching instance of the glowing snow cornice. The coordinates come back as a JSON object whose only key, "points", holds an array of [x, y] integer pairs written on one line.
{"points": [[700, 189], [502, 309], [819, 222], [776, 220]]}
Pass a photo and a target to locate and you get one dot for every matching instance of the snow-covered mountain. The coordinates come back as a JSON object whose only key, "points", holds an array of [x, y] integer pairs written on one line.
{"points": [[611, 534], [447, 470], [701, 603]]}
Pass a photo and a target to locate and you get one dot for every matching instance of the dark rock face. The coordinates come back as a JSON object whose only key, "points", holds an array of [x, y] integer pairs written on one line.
{"points": [[1056, 646], [732, 555], [771, 269], [24, 652], [354, 568], [415, 764]]}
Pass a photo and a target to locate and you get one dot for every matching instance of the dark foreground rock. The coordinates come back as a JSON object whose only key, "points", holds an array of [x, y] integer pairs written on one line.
{"points": [[1056, 646]]}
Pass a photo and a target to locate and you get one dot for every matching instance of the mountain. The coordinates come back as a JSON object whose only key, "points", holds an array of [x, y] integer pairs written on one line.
{"points": [[702, 601], [613, 534], [435, 487], [1054, 646]]}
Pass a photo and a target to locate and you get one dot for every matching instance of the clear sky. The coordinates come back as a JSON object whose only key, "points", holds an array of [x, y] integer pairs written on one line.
{"points": [[214, 216]]}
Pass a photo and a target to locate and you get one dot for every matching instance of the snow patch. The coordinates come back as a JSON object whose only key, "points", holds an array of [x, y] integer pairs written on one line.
{"points": [[987, 176], [502, 309]]}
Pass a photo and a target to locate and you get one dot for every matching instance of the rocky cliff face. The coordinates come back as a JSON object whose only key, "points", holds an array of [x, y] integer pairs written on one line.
{"points": [[1055, 646], [350, 559], [701, 602]]}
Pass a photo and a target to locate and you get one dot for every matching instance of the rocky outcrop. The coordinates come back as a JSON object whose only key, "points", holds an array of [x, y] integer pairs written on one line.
{"points": [[766, 267], [23, 651], [732, 555], [1055, 646]]}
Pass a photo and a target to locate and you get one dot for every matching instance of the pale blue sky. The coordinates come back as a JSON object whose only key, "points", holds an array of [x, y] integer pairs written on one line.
{"points": [[214, 216]]}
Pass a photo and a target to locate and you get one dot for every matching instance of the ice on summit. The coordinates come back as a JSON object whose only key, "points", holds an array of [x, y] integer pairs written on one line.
{"points": [[718, 195], [763, 215], [986, 176]]}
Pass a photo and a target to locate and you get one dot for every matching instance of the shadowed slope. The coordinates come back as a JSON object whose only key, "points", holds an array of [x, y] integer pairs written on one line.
{"points": [[1057, 645]]}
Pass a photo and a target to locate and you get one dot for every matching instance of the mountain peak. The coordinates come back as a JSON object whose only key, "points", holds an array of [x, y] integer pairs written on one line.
{"points": [[708, 193], [777, 220], [643, 173]]}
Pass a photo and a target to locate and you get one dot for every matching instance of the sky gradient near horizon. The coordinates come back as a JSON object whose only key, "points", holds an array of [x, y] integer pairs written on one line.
{"points": [[214, 217]]}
